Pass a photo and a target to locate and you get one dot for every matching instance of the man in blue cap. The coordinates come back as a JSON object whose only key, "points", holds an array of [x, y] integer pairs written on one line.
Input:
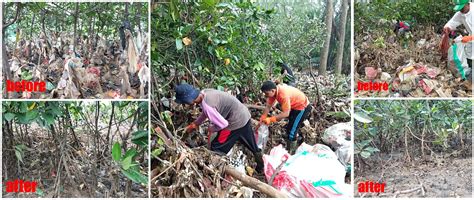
{"points": [[229, 119]]}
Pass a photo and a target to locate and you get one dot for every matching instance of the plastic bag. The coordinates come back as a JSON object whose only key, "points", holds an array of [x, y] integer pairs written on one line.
{"points": [[261, 135], [336, 135], [344, 153], [457, 62], [313, 171]]}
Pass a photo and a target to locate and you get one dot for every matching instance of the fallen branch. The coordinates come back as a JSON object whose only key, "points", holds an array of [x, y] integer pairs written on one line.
{"points": [[407, 191], [255, 106], [254, 183], [181, 158], [421, 186]]}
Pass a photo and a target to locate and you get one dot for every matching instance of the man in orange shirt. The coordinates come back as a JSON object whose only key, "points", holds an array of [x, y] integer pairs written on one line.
{"points": [[294, 104]]}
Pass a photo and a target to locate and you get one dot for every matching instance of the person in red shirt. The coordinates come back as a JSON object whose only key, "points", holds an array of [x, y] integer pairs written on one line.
{"points": [[294, 105]]}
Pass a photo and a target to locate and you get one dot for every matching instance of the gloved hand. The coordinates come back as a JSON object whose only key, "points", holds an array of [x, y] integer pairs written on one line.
{"points": [[466, 39], [263, 118], [269, 120], [190, 127]]}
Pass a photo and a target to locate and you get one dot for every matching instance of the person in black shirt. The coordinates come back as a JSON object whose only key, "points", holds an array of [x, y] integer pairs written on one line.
{"points": [[287, 74]]}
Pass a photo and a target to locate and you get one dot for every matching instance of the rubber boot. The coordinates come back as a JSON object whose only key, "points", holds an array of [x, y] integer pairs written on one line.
{"points": [[259, 160], [291, 146]]}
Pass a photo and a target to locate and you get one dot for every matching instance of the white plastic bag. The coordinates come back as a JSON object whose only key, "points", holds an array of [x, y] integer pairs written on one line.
{"points": [[313, 171], [344, 153], [457, 61], [262, 136], [336, 134]]}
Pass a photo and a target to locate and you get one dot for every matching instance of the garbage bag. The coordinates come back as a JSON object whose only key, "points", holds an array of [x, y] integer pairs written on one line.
{"points": [[313, 171], [261, 135], [337, 134], [457, 62], [344, 154]]}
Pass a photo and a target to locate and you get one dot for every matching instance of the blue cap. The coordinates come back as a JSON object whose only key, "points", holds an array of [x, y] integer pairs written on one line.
{"points": [[185, 93]]}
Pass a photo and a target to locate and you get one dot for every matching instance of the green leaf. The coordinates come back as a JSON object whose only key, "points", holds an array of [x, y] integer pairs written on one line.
{"points": [[9, 116], [140, 138], [127, 162], [156, 152], [39, 192], [338, 115], [365, 154], [179, 44], [362, 117], [116, 152], [49, 118], [18, 155], [31, 115], [135, 176], [372, 149], [130, 153]]}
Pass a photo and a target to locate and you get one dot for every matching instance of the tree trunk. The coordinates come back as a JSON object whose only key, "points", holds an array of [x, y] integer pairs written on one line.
{"points": [[32, 24], [7, 72], [18, 9], [342, 36], [325, 50], [255, 183], [43, 18], [76, 15], [76, 143], [96, 146], [110, 127], [137, 16], [126, 11]]}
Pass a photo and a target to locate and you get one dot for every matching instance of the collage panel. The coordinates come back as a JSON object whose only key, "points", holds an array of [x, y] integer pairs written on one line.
{"points": [[415, 148], [75, 50], [413, 48], [72, 149], [250, 99]]}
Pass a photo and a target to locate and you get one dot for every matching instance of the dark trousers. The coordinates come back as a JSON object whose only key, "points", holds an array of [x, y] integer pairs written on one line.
{"points": [[469, 62], [296, 118], [225, 139]]}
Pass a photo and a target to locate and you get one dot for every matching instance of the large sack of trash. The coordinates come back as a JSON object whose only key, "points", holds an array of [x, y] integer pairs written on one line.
{"points": [[338, 136], [313, 171]]}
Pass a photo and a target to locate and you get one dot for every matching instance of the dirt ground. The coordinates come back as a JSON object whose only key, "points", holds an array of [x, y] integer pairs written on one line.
{"points": [[40, 165], [388, 54], [447, 177]]}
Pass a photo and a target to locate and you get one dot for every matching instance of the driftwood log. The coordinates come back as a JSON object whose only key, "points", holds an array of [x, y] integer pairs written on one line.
{"points": [[254, 183]]}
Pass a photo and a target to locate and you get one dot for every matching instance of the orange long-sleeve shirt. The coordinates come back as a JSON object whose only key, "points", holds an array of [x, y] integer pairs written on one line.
{"points": [[290, 98]]}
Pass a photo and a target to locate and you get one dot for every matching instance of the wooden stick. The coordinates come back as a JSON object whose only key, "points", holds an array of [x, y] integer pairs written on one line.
{"points": [[255, 106], [181, 158], [254, 183], [407, 191], [421, 186]]}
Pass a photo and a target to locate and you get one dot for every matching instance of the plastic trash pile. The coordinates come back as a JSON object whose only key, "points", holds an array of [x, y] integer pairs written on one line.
{"points": [[313, 171]]}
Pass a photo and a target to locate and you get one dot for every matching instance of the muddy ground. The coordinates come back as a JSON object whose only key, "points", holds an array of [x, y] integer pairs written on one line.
{"points": [[447, 176], [75, 177]]}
